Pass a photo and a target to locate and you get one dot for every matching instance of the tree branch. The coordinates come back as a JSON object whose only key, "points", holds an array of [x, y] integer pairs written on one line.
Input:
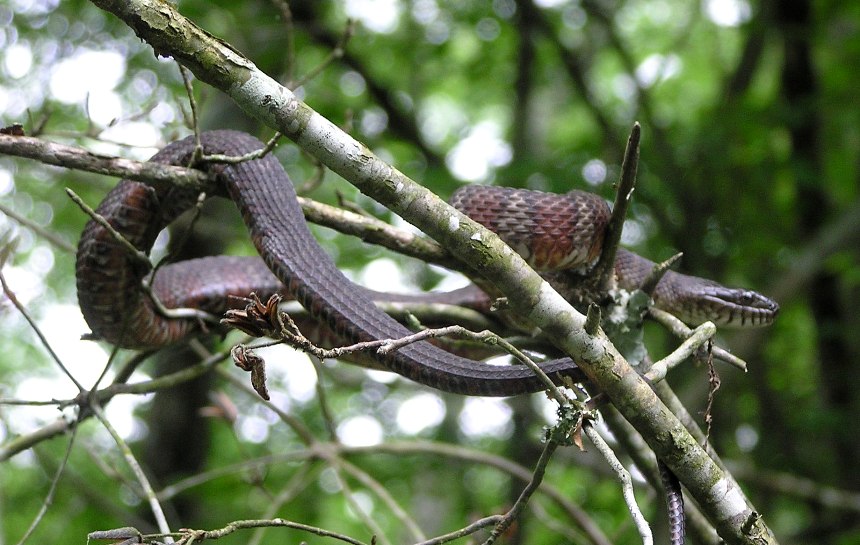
{"points": [[65, 156]]}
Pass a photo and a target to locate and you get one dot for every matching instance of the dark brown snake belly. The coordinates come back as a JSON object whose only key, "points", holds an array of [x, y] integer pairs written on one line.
{"points": [[118, 310]]}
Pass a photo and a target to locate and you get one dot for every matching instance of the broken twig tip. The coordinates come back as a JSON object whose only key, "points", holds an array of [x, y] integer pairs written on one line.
{"points": [[592, 319]]}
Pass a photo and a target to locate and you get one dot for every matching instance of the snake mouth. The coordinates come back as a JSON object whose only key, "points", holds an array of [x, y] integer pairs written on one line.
{"points": [[737, 307]]}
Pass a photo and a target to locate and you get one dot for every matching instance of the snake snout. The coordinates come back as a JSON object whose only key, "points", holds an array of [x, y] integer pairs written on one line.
{"points": [[740, 308]]}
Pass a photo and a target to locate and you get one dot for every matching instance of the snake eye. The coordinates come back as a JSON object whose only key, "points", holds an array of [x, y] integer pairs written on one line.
{"points": [[747, 297]]}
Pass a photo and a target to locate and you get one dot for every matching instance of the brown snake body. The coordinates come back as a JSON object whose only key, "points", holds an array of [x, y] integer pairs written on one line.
{"points": [[118, 310]]}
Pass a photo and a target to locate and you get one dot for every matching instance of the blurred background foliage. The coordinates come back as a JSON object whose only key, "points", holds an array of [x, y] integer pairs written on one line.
{"points": [[749, 166]]}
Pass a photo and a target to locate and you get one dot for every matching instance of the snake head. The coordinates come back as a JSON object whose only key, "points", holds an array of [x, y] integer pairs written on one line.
{"points": [[736, 308]]}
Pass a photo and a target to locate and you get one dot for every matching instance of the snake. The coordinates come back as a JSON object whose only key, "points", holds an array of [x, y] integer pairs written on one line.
{"points": [[117, 289]]}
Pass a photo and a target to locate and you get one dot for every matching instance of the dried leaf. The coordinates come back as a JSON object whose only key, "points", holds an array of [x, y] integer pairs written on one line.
{"points": [[15, 129]]}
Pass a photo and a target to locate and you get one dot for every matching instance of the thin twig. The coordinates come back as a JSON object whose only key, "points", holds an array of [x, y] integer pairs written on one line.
{"points": [[250, 156], [555, 437], [361, 513], [42, 339], [690, 346], [680, 329], [111, 470], [60, 426], [191, 536], [316, 179], [382, 493], [642, 455], [165, 381], [189, 92], [350, 205], [38, 127], [289, 29], [38, 229], [339, 465], [25, 442], [149, 493], [139, 256], [626, 483], [336, 53], [658, 371], [713, 385], [657, 273], [329, 455], [322, 400], [290, 333], [29, 402], [49, 499], [301, 480], [605, 268], [463, 532]]}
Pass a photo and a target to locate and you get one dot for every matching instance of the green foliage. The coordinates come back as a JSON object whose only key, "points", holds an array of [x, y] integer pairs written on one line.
{"points": [[729, 174]]}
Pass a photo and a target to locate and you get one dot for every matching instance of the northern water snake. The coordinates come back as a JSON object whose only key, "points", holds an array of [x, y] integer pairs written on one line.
{"points": [[118, 310]]}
